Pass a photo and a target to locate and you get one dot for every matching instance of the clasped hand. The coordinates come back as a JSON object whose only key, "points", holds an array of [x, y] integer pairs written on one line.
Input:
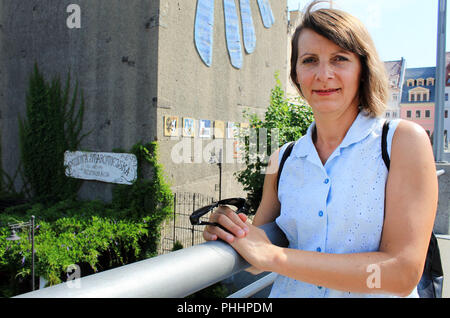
{"points": [[248, 240]]}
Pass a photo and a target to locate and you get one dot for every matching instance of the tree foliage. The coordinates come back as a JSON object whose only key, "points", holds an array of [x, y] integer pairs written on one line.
{"points": [[285, 120], [92, 234]]}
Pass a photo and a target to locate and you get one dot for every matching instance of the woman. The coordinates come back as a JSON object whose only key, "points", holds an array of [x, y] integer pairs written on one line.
{"points": [[353, 229]]}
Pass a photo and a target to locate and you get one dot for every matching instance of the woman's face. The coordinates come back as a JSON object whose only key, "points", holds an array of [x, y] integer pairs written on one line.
{"points": [[328, 75]]}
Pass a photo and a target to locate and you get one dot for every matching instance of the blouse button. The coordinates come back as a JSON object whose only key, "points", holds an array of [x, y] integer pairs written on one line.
{"points": [[318, 249], [320, 213], [326, 181]]}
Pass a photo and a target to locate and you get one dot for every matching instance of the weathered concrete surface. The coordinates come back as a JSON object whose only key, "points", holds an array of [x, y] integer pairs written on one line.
{"points": [[189, 88], [113, 56], [136, 61], [444, 249]]}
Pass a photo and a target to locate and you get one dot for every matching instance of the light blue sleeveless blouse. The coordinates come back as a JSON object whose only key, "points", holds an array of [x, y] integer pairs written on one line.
{"points": [[337, 207]]}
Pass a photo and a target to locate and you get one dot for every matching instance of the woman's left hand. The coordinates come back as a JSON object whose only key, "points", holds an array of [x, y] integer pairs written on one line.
{"points": [[256, 248]]}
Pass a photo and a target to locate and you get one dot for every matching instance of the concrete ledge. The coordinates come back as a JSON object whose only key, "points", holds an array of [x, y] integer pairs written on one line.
{"points": [[444, 248], [442, 221]]}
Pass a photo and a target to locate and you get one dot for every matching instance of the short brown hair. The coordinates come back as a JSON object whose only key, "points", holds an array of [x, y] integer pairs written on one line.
{"points": [[349, 33]]}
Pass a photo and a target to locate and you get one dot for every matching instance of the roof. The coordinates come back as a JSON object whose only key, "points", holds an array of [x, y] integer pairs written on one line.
{"points": [[415, 73]]}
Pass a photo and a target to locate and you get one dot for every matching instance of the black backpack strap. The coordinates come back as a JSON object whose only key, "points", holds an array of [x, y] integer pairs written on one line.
{"points": [[384, 151], [286, 154]]}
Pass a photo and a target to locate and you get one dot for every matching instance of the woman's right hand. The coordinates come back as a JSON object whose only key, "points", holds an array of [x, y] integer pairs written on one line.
{"points": [[234, 223]]}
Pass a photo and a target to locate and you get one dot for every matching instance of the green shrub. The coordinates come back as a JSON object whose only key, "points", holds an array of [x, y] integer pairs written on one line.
{"points": [[177, 246], [92, 234], [150, 197], [81, 234]]}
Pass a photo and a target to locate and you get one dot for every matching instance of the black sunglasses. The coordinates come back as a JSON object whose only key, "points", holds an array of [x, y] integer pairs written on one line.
{"points": [[240, 203]]}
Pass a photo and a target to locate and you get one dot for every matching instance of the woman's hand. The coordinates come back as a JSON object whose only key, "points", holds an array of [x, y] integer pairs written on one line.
{"points": [[248, 240], [256, 249], [234, 223]]}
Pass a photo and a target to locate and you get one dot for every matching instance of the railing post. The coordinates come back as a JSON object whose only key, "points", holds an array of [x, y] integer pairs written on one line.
{"points": [[192, 227], [174, 217]]}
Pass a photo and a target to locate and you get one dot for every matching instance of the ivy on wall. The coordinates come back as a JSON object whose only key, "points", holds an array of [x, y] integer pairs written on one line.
{"points": [[52, 125]]}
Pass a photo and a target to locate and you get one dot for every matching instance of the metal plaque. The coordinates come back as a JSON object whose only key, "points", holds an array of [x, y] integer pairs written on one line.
{"points": [[118, 168]]}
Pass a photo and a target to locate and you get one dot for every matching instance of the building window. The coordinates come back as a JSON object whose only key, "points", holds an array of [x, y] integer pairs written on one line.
{"points": [[445, 113], [446, 97], [417, 113], [395, 97], [425, 97], [408, 114], [418, 97], [388, 114], [412, 97], [410, 82], [420, 82], [430, 81], [427, 114], [394, 114]]}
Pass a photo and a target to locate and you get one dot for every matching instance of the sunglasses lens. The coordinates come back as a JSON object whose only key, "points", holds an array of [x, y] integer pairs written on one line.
{"points": [[197, 214], [237, 202]]}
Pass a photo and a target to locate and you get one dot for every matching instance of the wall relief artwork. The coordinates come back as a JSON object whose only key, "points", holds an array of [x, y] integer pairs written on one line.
{"points": [[204, 28]]}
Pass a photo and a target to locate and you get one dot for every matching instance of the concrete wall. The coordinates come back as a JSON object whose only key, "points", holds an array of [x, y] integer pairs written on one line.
{"points": [[136, 62], [189, 88], [295, 18], [113, 56]]}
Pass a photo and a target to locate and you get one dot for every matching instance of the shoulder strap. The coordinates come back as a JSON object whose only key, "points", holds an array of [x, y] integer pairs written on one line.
{"points": [[384, 151], [286, 154]]}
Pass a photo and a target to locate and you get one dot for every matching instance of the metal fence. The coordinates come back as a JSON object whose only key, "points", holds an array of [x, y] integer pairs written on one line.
{"points": [[179, 228]]}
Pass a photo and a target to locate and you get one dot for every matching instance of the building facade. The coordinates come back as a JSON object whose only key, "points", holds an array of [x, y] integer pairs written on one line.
{"points": [[148, 69], [396, 72], [418, 97]]}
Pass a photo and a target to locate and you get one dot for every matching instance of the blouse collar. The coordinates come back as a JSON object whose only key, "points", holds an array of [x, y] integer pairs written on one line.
{"points": [[361, 127]]}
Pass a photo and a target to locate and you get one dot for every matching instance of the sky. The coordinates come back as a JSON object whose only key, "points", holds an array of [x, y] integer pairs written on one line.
{"points": [[399, 28]]}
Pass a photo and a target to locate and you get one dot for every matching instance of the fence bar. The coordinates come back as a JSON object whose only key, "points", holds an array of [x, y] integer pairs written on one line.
{"points": [[177, 274], [174, 217], [255, 287], [192, 227]]}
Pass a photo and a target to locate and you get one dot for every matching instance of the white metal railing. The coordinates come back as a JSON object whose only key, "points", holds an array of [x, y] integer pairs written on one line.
{"points": [[255, 287], [177, 274]]}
